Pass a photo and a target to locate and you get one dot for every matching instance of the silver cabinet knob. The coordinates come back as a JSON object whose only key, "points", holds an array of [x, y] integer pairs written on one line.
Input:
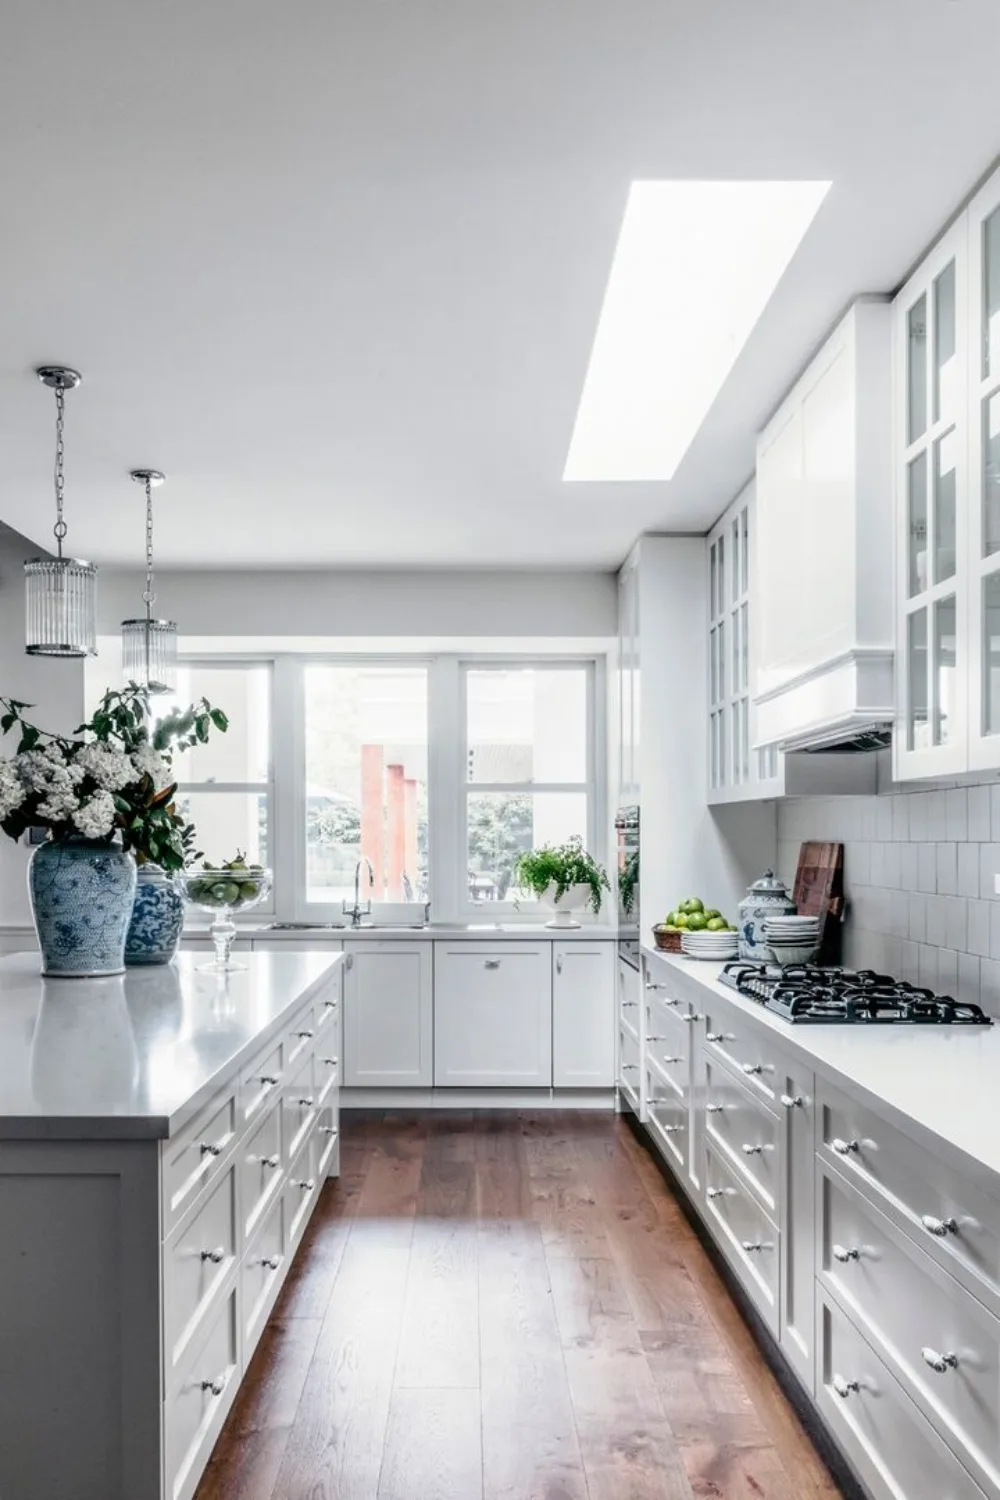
{"points": [[714, 1109], [670, 1129], [939, 1227], [939, 1363], [216, 1256], [844, 1148], [715, 1192], [270, 1161], [328, 1130], [719, 1036], [559, 963], [690, 1020], [751, 1068], [331, 1062], [630, 1067], [792, 1101], [306, 1184], [268, 1080], [210, 1148], [626, 1004], [657, 1039], [306, 1102], [844, 1388], [671, 1059], [216, 1386], [843, 1255], [329, 1005], [349, 961], [272, 1262], [651, 986], [306, 1036], [749, 1150], [753, 1246], [492, 963]]}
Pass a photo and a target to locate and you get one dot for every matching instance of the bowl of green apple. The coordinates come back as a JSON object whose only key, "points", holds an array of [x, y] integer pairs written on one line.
{"points": [[223, 890]]}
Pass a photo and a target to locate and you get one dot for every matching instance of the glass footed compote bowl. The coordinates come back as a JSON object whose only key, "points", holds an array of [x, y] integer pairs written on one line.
{"points": [[224, 892]]}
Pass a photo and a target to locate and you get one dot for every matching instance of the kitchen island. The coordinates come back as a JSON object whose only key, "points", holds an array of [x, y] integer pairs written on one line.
{"points": [[164, 1137]]}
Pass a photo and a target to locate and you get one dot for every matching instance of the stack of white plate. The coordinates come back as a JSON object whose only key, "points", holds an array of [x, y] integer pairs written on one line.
{"points": [[792, 940], [717, 946]]}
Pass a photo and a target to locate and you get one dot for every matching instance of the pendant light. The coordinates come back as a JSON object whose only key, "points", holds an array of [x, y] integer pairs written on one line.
{"points": [[60, 592], [149, 647]]}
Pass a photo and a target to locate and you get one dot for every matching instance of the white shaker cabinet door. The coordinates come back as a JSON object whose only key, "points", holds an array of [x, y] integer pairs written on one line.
{"points": [[492, 1015], [388, 1015], [583, 1015]]}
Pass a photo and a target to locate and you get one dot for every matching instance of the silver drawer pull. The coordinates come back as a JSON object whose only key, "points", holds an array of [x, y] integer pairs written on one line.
{"points": [[492, 963], [718, 1037], [328, 1130], [690, 1020], [671, 1059], [751, 1068], [717, 1192], [939, 1227], [844, 1388], [268, 1080], [792, 1101], [749, 1150], [331, 1062], [270, 1161], [714, 1109], [651, 986], [626, 1004], [306, 1102], [657, 1039], [210, 1148], [939, 1363], [752, 1246], [306, 1036], [216, 1256], [272, 1262], [329, 1005], [630, 1067], [305, 1183], [216, 1386], [669, 1129], [844, 1148], [559, 963], [839, 1253]]}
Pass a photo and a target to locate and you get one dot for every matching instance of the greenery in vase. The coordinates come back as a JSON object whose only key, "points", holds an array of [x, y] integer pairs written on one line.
{"points": [[112, 776], [562, 865]]}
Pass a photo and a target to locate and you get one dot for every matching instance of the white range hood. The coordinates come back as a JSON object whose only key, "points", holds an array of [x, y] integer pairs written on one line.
{"points": [[824, 557]]}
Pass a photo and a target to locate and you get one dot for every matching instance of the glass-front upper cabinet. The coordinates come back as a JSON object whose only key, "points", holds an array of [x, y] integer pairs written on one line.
{"points": [[628, 684], [736, 770], [932, 490], [984, 477]]}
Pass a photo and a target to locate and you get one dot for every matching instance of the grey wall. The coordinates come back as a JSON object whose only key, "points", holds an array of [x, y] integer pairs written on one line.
{"points": [[54, 687], [920, 867]]}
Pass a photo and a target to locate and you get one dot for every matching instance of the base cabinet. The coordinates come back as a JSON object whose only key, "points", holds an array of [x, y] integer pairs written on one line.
{"points": [[583, 1015], [493, 1016], [388, 1015]]}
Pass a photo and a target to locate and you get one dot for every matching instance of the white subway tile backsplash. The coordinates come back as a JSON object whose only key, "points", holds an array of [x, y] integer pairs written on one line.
{"points": [[936, 925], [858, 864], [900, 819], [937, 823], [995, 813], [883, 819], [956, 934], [989, 981], [947, 870], [968, 979], [957, 814], [979, 928], [947, 971], [927, 867], [910, 963], [927, 967], [995, 929], [917, 802], [918, 919], [989, 867], [899, 913], [892, 866], [979, 814], [968, 869]]}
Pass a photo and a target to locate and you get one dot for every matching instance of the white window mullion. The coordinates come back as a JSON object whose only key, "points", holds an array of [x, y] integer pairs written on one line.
{"points": [[445, 776], [288, 801]]}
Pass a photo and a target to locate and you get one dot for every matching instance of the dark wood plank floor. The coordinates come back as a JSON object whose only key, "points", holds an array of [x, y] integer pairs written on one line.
{"points": [[506, 1307]]}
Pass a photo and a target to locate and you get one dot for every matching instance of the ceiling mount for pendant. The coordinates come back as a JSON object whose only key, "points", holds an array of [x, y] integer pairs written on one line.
{"points": [[60, 592], [149, 646]]}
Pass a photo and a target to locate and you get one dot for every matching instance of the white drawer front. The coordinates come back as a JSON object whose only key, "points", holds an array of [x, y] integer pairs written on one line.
{"points": [[745, 1048], [745, 1232], [628, 1063], [196, 1264], [944, 1345], [667, 1119], [327, 1143], [299, 1106], [328, 1012], [301, 1191], [261, 1272], [326, 1070], [890, 1443], [260, 1080], [261, 1164], [196, 1410], [948, 1216], [301, 1035], [741, 1125], [195, 1157]]}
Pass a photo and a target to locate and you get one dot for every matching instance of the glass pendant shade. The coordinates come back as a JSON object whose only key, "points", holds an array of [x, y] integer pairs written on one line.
{"points": [[61, 607], [149, 652]]}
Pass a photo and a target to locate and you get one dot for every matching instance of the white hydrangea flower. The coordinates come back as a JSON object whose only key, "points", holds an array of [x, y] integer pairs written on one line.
{"points": [[111, 769], [95, 819], [149, 762], [40, 769], [12, 791]]}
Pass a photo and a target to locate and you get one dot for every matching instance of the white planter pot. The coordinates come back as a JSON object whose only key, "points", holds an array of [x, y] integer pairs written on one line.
{"points": [[574, 898]]}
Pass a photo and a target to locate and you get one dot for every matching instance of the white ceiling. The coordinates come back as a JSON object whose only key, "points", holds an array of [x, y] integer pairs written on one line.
{"points": [[336, 265]]}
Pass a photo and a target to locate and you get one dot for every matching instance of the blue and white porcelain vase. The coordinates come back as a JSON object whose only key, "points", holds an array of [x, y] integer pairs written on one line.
{"points": [[767, 897], [81, 899], [157, 918]]}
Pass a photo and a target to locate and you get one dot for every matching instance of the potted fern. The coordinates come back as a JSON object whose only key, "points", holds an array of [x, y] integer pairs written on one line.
{"points": [[565, 878]]}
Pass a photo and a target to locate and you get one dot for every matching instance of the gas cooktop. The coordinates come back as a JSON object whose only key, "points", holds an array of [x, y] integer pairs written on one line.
{"points": [[804, 992]]}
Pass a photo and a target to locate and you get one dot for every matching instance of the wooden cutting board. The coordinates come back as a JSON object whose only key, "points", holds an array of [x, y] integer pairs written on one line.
{"points": [[819, 892]]}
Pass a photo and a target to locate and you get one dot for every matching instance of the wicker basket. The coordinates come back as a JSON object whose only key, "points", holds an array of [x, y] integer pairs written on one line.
{"points": [[666, 942]]}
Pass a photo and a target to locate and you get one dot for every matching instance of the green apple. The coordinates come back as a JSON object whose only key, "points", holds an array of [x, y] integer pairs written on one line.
{"points": [[696, 921], [680, 919], [715, 924], [692, 904]]}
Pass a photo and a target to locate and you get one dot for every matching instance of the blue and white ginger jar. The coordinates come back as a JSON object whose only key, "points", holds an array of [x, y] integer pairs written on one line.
{"points": [[767, 897], [81, 898], [154, 932]]}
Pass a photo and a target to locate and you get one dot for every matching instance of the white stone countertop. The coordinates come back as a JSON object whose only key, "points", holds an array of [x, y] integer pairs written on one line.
{"points": [[939, 1084], [138, 1055], [530, 932]]}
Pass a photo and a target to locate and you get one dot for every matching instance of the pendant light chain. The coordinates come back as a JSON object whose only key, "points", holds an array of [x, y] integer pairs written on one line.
{"points": [[149, 598], [59, 529]]}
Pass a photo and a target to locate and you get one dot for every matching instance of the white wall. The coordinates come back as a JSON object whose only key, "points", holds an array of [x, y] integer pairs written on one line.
{"points": [[456, 604], [688, 848], [55, 688]]}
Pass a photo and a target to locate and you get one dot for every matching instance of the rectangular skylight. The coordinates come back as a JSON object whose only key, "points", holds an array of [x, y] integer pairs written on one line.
{"points": [[695, 266]]}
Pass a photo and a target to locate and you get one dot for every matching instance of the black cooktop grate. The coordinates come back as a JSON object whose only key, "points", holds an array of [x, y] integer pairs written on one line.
{"points": [[804, 992]]}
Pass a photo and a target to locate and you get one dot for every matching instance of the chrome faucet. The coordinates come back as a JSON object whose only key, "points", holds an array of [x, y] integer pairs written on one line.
{"points": [[357, 912]]}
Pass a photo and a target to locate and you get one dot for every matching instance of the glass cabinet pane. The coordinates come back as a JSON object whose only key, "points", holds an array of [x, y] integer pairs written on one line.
{"points": [[745, 647], [945, 363], [714, 730], [944, 671], [916, 485], [723, 753], [991, 474], [917, 729], [735, 565], [745, 552], [713, 565], [737, 662], [720, 578], [991, 654], [916, 370], [713, 656], [945, 453], [991, 294], [722, 660]]}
